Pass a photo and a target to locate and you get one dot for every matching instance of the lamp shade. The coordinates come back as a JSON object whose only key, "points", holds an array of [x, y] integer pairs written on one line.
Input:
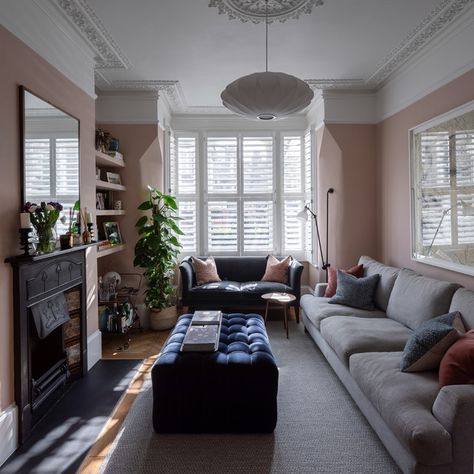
{"points": [[267, 95], [302, 215]]}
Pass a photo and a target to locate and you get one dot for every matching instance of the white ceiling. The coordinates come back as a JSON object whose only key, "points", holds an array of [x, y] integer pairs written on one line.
{"points": [[343, 43]]}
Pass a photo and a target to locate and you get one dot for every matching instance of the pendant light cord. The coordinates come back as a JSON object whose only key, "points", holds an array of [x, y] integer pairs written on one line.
{"points": [[266, 35]]}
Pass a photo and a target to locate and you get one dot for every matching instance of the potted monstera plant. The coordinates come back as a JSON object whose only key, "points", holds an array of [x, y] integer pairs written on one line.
{"points": [[157, 252]]}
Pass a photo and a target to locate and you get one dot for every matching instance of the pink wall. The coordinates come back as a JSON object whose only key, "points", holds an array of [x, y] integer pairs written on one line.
{"points": [[346, 162], [22, 66], [393, 193], [142, 148]]}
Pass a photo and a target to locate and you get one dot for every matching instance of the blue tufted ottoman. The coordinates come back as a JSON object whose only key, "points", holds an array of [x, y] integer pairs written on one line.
{"points": [[233, 390]]}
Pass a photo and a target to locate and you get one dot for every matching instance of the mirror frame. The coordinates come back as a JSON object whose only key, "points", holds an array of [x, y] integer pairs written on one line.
{"points": [[22, 90]]}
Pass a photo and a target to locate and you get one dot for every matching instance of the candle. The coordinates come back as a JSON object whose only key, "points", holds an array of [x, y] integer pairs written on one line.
{"points": [[25, 221], [89, 218]]}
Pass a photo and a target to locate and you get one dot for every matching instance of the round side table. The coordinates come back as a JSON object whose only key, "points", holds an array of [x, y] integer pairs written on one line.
{"points": [[281, 299]]}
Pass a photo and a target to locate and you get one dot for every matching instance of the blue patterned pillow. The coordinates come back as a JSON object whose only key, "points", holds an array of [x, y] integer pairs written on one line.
{"points": [[431, 339], [355, 292]]}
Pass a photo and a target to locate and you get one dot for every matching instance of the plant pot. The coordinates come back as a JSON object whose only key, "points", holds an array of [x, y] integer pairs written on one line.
{"points": [[66, 241], [162, 319]]}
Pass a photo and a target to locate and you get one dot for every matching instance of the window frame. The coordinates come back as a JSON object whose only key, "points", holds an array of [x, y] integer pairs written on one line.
{"points": [[416, 185], [277, 198]]}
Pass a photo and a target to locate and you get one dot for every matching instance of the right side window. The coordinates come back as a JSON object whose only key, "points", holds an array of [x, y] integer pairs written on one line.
{"points": [[443, 192]]}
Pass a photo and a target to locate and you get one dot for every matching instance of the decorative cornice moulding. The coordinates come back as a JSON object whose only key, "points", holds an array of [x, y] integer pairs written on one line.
{"points": [[327, 84], [169, 88], [254, 10], [90, 26], [438, 19], [108, 55]]}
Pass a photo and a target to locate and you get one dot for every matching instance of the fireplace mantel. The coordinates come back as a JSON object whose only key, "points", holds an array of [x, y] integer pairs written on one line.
{"points": [[36, 279]]}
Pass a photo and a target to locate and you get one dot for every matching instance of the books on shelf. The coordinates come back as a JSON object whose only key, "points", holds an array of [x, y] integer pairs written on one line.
{"points": [[206, 317], [201, 338]]}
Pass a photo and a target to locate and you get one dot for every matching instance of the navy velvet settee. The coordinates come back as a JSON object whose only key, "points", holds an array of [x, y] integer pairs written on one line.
{"points": [[241, 285]]}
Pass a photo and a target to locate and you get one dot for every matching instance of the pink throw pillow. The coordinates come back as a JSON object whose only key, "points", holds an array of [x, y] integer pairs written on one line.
{"points": [[457, 365], [206, 271], [277, 270], [356, 270]]}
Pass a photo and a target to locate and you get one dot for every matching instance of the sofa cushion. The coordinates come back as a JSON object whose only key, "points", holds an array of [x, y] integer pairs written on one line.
{"points": [[205, 270], [348, 335], [457, 365], [404, 401], [463, 301], [416, 298], [388, 275], [356, 270], [277, 270], [262, 287], [355, 292], [317, 308], [217, 293], [430, 341]]}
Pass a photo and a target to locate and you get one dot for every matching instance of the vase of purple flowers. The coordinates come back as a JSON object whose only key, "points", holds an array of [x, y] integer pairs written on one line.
{"points": [[43, 218]]}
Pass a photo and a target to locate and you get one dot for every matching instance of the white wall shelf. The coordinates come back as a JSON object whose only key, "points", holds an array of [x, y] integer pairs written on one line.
{"points": [[110, 250], [102, 159], [99, 184], [109, 212]]}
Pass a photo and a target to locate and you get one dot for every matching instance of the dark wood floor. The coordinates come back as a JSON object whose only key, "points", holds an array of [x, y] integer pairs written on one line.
{"points": [[62, 439]]}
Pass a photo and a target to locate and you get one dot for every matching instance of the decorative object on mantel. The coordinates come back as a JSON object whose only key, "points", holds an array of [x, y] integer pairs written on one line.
{"points": [[43, 218], [68, 239], [303, 215], [267, 95], [25, 240], [25, 232], [87, 219], [156, 252]]}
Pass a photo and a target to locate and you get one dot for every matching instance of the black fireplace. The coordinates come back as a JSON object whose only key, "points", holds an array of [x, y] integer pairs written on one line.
{"points": [[49, 330]]}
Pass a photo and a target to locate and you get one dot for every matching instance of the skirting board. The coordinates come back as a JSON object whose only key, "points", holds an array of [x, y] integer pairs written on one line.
{"points": [[8, 432], [94, 349]]}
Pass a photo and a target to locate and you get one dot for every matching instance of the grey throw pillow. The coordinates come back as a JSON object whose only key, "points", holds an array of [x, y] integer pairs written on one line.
{"points": [[430, 341], [355, 292]]}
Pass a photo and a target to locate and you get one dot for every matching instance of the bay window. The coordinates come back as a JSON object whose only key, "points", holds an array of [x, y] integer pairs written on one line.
{"points": [[239, 193]]}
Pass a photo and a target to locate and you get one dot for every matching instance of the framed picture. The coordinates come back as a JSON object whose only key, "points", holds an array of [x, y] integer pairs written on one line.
{"points": [[113, 178], [112, 233]]}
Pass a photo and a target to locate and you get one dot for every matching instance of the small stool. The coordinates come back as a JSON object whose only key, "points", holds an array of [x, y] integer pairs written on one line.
{"points": [[231, 390], [282, 299]]}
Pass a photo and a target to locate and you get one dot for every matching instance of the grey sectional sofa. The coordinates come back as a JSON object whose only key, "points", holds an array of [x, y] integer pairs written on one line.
{"points": [[426, 429]]}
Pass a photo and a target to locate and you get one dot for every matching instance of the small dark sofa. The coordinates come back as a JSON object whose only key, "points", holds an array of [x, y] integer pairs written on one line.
{"points": [[240, 286]]}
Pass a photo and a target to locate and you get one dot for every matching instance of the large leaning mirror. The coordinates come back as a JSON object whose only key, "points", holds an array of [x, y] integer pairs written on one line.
{"points": [[50, 155], [442, 161]]}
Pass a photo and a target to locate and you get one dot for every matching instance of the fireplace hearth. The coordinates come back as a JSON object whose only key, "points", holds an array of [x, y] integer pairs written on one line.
{"points": [[49, 330]]}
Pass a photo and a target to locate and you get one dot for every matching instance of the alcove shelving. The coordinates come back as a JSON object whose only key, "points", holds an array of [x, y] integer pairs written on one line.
{"points": [[106, 163]]}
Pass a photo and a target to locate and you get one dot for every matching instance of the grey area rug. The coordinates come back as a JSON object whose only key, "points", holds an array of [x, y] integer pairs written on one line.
{"points": [[319, 430]]}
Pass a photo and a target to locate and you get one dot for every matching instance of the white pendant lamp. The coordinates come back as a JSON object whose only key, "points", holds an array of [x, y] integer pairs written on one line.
{"points": [[267, 95]]}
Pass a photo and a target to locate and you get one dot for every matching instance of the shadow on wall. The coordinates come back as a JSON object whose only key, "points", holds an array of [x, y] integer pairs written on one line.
{"points": [[346, 162]]}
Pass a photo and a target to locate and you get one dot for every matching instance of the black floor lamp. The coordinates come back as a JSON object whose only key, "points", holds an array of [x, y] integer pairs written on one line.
{"points": [[303, 215]]}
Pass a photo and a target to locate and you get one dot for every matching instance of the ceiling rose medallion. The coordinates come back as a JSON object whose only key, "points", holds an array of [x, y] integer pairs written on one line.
{"points": [[255, 10]]}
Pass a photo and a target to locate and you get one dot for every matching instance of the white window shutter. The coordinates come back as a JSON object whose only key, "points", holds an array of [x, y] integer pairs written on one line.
{"points": [[257, 155], [222, 165]]}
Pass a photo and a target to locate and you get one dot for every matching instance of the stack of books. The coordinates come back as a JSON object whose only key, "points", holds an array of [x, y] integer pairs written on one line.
{"points": [[203, 332]]}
